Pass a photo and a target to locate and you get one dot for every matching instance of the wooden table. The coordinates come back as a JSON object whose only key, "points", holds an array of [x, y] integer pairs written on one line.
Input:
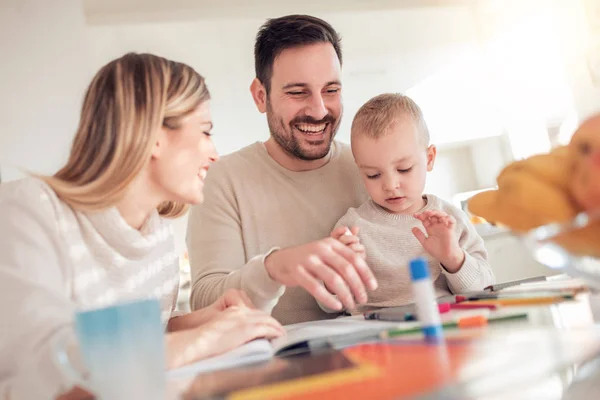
{"points": [[533, 358]]}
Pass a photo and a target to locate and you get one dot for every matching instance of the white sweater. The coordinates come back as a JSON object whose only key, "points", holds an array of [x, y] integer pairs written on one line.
{"points": [[390, 245], [53, 261]]}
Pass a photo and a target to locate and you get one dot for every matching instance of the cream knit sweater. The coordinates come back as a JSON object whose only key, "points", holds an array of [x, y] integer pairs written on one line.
{"points": [[53, 261], [390, 245]]}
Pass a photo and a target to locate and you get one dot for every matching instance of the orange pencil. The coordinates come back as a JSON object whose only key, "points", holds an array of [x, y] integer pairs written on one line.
{"points": [[525, 301]]}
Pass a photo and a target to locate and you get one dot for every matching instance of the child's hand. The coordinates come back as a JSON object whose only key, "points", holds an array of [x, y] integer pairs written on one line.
{"points": [[440, 242], [349, 238]]}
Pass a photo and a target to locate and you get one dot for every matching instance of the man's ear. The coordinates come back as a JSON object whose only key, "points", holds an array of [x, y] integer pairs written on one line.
{"points": [[431, 154], [259, 94]]}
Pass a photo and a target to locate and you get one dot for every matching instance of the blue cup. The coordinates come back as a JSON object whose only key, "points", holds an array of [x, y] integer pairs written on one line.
{"points": [[123, 351]]}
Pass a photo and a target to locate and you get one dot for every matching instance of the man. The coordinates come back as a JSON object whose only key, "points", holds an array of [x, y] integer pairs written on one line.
{"points": [[270, 207]]}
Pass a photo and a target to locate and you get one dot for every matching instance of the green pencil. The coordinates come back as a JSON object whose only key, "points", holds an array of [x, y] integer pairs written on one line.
{"points": [[391, 333]]}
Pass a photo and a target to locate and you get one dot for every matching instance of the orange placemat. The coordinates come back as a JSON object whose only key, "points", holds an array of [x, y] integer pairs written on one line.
{"points": [[382, 371]]}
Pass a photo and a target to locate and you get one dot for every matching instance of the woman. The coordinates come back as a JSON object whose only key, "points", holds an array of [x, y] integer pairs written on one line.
{"points": [[96, 232]]}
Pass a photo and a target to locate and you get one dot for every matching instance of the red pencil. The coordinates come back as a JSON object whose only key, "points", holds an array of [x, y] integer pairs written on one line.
{"points": [[462, 306]]}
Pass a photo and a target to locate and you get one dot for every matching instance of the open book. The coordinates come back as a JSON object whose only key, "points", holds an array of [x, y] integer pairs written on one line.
{"points": [[300, 338]]}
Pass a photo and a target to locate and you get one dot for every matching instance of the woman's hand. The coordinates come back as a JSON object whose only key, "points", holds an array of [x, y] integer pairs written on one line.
{"points": [[231, 298], [227, 330]]}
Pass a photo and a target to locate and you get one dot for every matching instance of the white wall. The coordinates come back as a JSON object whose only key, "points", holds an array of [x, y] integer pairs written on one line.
{"points": [[451, 163], [577, 39], [49, 55], [43, 73], [557, 31], [383, 51]]}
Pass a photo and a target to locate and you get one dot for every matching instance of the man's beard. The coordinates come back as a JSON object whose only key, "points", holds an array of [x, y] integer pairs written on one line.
{"points": [[290, 143]]}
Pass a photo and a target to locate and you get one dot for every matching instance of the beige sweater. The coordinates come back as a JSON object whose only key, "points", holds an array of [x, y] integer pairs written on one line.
{"points": [[53, 261], [390, 245], [253, 204]]}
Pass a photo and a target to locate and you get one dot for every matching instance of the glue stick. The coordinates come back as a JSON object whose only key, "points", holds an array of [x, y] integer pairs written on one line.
{"points": [[425, 300]]}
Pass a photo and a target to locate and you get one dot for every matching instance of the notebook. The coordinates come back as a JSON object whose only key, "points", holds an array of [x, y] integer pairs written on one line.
{"points": [[300, 338]]}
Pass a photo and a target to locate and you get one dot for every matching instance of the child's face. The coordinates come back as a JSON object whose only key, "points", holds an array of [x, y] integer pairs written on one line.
{"points": [[394, 167]]}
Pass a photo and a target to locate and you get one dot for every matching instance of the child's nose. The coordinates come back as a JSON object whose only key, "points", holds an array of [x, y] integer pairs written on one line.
{"points": [[390, 184]]}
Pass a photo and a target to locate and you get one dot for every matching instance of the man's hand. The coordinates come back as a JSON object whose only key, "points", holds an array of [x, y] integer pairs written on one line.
{"points": [[349, 237], [343, 271], [440, 242]]}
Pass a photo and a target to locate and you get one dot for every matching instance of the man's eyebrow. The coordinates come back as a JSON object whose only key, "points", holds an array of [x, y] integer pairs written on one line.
{"points": [[295, 84], [304, 85]]}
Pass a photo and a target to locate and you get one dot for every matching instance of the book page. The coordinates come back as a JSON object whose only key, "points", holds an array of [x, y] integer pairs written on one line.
{"points": [[305, 331], [251, 352]]}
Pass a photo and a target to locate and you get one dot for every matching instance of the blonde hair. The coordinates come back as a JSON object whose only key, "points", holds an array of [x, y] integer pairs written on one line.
{"points": [[378, 116], [125, 106]]}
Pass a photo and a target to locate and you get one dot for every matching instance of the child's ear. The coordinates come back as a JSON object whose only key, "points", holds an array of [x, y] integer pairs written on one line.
{"points": [[431, 153]]}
